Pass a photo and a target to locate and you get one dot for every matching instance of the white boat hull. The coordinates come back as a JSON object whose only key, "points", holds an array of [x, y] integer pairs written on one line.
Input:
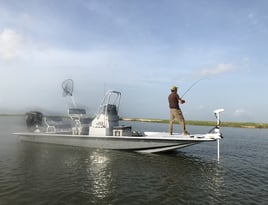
{"points": [[104, 131], [153, 142]]}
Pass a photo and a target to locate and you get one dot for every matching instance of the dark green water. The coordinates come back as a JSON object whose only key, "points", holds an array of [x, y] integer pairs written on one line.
{"points": [[36, 174]]}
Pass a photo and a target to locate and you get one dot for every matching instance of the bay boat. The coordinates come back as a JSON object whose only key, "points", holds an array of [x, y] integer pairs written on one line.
{"points": [[104, 131]]}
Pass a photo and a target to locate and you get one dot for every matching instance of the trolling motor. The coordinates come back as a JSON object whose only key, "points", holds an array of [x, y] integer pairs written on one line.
{"points": [[217, 115], [216, 129]]}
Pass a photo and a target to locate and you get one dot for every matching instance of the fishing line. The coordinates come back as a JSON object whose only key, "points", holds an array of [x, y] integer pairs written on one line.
{"points": [[192, 86]]}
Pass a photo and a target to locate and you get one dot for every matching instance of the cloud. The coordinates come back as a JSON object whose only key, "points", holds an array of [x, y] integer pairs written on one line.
{"points": [[252, 18], [239, 112], [218, 69], [10, 44]]}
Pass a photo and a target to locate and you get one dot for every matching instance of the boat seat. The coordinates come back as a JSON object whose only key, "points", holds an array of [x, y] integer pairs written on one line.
{"points": [[80, 120], [76, 111], [55, 123], [49, 127]]}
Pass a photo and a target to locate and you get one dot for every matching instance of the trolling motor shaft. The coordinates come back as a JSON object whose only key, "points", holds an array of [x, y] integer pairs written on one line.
{"points": [[217, 129]]}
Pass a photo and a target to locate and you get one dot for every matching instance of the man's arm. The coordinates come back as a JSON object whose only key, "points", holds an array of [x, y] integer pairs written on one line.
{"points": [[181, 101]]}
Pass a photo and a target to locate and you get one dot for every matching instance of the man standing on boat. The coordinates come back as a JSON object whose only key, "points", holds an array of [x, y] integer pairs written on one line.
{"points": [[175, 111]]}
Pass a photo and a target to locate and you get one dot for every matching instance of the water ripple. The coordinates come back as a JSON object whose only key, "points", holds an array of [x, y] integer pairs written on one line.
{"points": [[42, 174]]}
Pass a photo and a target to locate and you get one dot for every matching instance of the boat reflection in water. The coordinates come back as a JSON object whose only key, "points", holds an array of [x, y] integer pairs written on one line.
{"points": [[99, 175]]}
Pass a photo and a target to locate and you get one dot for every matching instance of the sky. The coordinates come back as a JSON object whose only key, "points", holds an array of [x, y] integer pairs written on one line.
{"points": [[215, 52]]}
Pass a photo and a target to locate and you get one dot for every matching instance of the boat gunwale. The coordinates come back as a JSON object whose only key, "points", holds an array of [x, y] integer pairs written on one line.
{"points": [[157, 137]]}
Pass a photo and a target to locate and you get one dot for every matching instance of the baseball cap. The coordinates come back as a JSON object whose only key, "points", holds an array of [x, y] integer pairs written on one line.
{"points": [[173, 88]]}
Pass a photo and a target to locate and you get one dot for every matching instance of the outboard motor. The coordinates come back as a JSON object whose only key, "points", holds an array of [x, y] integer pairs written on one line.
{"points": [[34, 120]]}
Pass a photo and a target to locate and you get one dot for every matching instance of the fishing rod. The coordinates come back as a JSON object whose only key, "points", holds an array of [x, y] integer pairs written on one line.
{"points": [[192, 86]]}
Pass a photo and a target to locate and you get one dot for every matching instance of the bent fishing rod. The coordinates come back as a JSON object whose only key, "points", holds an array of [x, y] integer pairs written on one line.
{"points": [[192, 86]]}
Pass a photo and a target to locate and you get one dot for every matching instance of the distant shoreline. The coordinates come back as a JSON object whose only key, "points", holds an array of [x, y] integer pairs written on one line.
{"points": [[204, 123], [251, 125]]}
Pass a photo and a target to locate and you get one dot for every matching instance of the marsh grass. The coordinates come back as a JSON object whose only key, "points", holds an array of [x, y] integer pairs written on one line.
{"points": [[205, 123]]}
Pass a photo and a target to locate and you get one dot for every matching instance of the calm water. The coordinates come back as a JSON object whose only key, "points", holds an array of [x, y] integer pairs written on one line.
{"points": [[51, 174]]}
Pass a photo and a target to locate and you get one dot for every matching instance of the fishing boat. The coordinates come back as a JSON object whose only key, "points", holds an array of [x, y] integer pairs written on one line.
{"points": [[105, 131]]}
